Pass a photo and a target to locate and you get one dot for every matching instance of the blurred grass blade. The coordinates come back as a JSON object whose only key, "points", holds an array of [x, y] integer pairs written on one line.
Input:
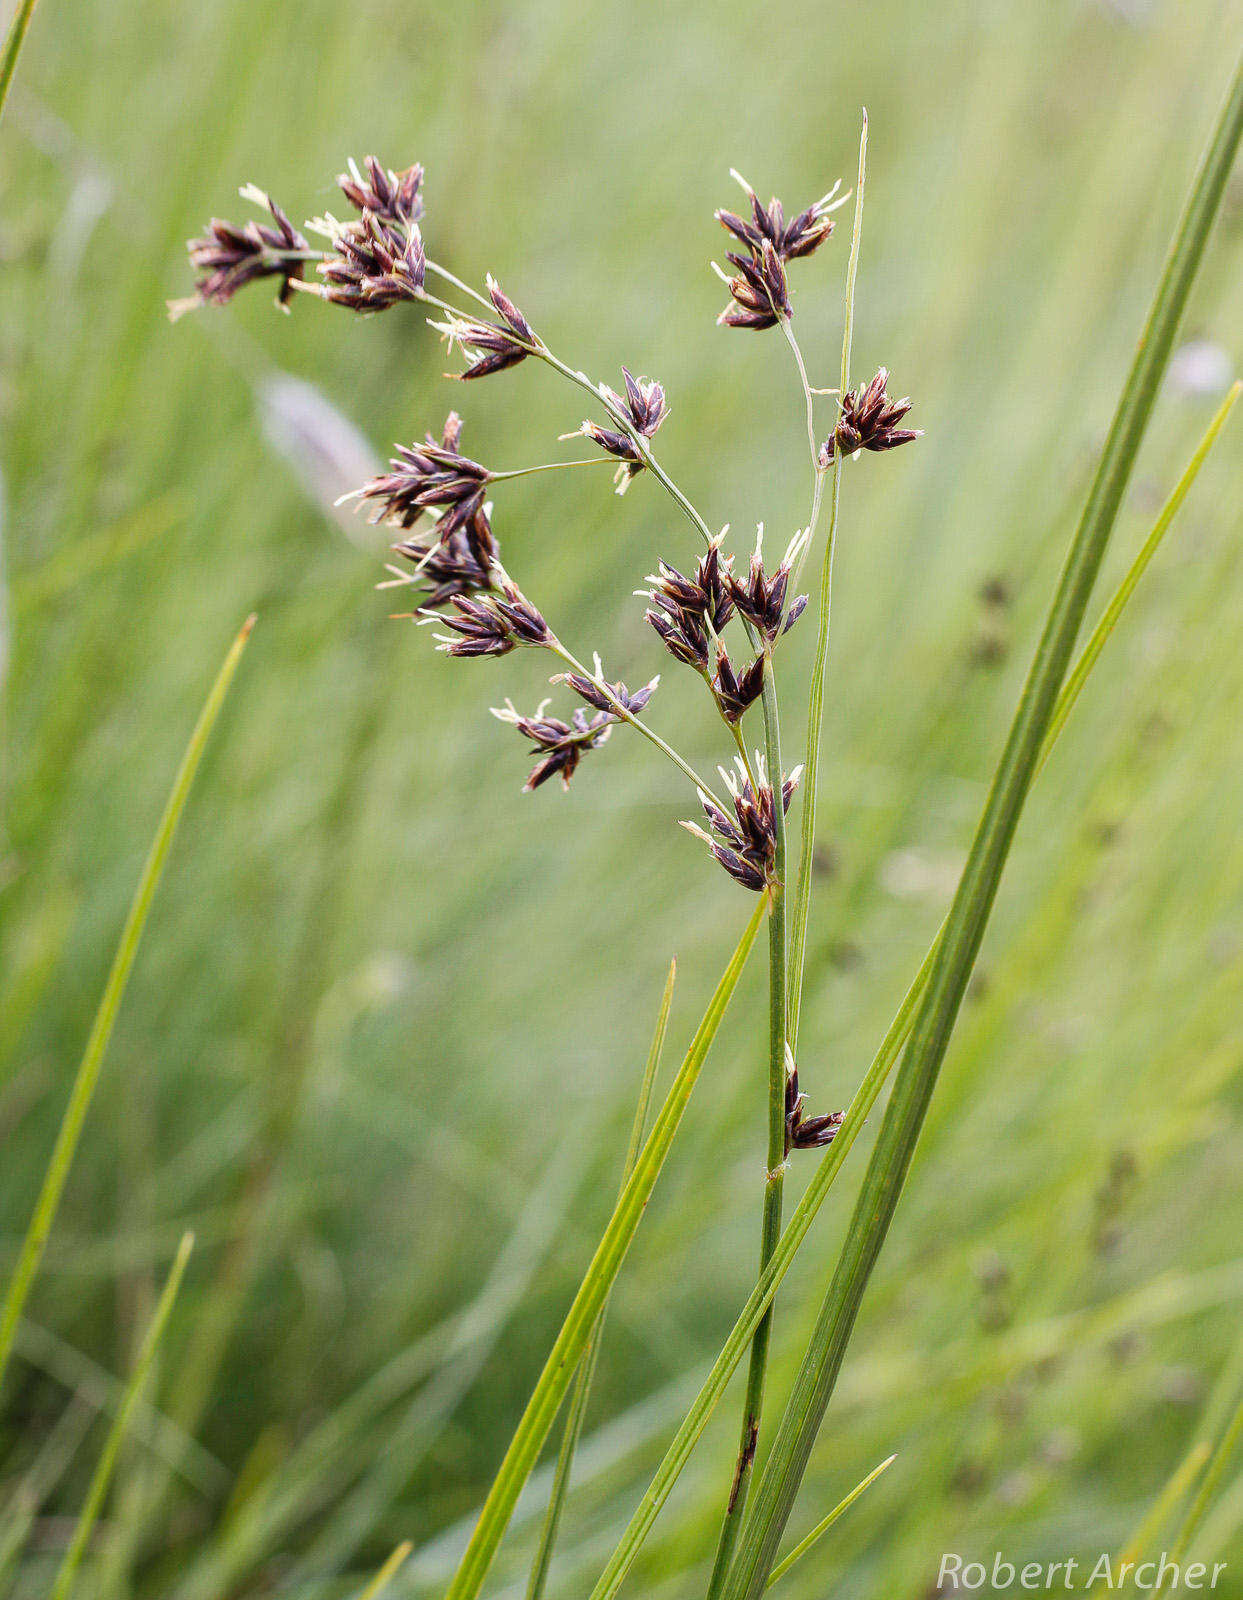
{"points": [[821, 1528], [1175, 1490], [815, 701], [964, 930], [1228, 1437], [873, 1081], [102, 1476], [570, 1343], [387, 1572], [114, 991], [13, 47], [577, 1412]]}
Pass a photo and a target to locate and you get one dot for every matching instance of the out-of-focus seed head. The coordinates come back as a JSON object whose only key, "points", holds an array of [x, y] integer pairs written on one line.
{"points": [[869, 421], [430, 476], [560, 745], [745, 844], [229, 257], [393, 197], [490, 346], [492, 624]]}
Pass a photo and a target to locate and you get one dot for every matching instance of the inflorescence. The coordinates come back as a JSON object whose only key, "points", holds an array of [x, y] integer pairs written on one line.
{"points": [[438, 498]]}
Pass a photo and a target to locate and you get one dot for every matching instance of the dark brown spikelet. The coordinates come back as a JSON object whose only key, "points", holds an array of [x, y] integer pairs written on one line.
{"points": [[735, 691], [806, 1133], [745, 844], [560, 745], [869, 421], [492, 624], [491, 346], [392, 197], [602, 696], [430, 477], [463, 563], [685, 611], [799, 237], [643, 406], [228, 257], [375, 265], [759, 292], [761, 599]]}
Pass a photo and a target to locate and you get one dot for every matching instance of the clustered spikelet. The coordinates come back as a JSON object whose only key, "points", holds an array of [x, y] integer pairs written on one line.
{"points": [[391, 197], [492, 624], [427, 476], [641, 411], [491, 346], [761, 599], [607, 696], [229, 257], [560, 745], [378, 258], [806, 1133], [758, 287], [869, 421], [745, 844], [685, 612]]}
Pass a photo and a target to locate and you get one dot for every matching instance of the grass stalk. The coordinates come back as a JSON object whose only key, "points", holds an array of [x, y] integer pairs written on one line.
{"points": [[874, 1080], [568, 1348], [774, 1170], [114, 990], [822, 1527], [102, 1475], [815, 701], [960, 942], [577, 1412], [387, 1572]]}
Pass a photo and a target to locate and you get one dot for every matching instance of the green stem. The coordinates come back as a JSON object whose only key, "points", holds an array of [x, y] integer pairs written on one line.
{"points": [[114, 991], [587, 1366], [815, 698], [13, 47], [957, 949], [774, 1173]]}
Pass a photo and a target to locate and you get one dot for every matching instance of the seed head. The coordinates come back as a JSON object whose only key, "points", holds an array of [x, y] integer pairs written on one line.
{"points": [[464, 563], [806, 1133], [760, 294], [492, 624], [761, 599], [869, 421], [229, 257], [429, 475], [735, 691], [608, 697], [745, 844], [803, 235], [392, 197], [685, 611], [560, 745], [491, 346], [375, 263]]}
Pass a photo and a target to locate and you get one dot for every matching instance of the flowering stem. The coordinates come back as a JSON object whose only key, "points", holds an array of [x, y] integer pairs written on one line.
{"points": [[550, 466], [774, 1176], [627, 715], [818, 472], [815, 699]]}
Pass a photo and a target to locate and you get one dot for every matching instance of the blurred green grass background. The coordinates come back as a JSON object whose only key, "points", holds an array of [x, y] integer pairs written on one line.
{"points": [[384, 1035]]}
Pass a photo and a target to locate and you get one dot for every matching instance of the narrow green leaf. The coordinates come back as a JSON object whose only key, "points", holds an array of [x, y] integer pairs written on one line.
{"points": [[1175, 1490], [387, 1572], [1223, 1450], [102, 1476], [957, 948], [570, 1343], [821, 1528], [576, 1415], [13, 47], [114, 991], [865, 1097]]}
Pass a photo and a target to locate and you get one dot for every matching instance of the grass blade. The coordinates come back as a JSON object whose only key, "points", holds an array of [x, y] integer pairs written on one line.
{"points": [[570, 1343], [958, 946], [114, 990], [869, 1089], [102, 1476], [387, 1572], [13, 47], [821, 1528], [577, 1412]]}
